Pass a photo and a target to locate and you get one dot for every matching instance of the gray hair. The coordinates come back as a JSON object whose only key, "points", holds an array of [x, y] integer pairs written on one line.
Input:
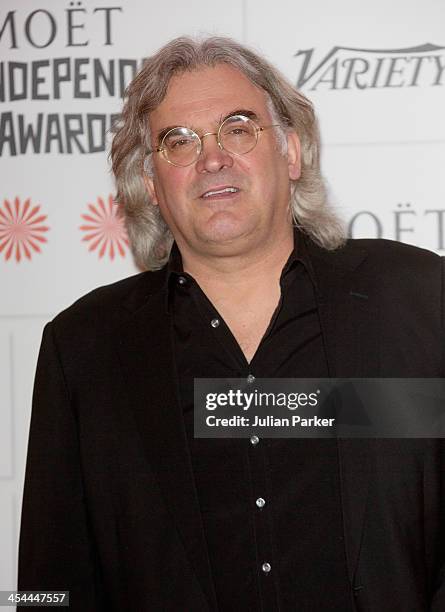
{"points": [[149, 235]]}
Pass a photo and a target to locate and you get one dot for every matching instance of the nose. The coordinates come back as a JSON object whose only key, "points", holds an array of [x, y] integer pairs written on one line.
{"points": [[212, 158]]}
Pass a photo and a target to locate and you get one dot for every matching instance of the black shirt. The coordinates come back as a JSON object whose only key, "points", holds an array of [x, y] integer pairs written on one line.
{"points": [[270, 507]]}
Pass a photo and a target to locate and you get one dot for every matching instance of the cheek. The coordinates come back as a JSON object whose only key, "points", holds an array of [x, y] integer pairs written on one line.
{"points": [[172, 198], [167, 186], [268, 174]]}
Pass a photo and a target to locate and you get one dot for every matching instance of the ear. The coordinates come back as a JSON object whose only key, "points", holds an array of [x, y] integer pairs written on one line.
{"points": [[149, 185], [293, 155]]}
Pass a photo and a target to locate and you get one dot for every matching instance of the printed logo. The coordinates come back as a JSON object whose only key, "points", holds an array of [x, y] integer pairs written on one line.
{"points": [[350, 68], [21, 229], [105, 230]]}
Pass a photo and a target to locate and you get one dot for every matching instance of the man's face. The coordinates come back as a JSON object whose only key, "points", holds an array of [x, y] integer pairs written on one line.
{"points": [[228, 223]]}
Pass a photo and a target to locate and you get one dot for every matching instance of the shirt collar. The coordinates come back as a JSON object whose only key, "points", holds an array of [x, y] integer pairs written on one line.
{"points": [[174, 265], [300, 253]]}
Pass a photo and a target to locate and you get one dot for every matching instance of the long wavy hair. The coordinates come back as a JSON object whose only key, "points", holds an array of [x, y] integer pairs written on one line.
{"points": [[149, 235]]}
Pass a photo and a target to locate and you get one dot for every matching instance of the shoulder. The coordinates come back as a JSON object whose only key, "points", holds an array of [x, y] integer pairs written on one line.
{"points": [[385, 267], [388, 258], [107, 306], [402, 265], [391, 250], [403, 278]]}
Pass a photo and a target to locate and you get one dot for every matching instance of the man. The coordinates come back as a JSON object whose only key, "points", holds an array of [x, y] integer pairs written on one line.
{"points": [[122, 505]]}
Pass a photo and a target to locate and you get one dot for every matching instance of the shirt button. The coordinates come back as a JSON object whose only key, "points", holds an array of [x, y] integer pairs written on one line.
{"points": [[250, 378], [214, 322], [266, 567], [182, 280], [260, 502], [254, 440]]}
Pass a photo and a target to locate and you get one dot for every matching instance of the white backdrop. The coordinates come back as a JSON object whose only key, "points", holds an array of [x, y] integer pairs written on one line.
{"points": [[375, 72]]}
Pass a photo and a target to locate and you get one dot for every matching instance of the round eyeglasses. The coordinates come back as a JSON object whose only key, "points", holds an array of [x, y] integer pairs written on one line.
{"points": [[237, 135]]}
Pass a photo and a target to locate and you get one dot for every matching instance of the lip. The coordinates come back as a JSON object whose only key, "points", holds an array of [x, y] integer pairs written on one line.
{"points": [[220, 196]]}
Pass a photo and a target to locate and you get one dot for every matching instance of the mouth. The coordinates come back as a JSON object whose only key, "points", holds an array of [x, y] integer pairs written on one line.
{"points": [[219, 193]]}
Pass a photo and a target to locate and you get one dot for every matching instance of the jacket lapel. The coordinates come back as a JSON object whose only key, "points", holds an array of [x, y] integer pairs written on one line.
{"points": [[145, 348], [349, 320]]}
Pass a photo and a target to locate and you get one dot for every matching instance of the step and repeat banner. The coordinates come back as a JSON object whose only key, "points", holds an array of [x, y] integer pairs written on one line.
{"points": [[375, 72]]}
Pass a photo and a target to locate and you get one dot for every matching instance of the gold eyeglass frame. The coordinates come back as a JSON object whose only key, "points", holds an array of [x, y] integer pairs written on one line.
{"points": [[258, 129]]}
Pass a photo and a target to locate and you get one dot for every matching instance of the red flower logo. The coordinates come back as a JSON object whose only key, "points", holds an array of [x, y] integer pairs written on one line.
{"points": [[105, 229], [21, 229]]}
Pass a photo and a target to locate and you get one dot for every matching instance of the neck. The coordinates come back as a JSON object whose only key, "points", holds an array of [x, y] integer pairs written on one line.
{"points": [[241, 271]]}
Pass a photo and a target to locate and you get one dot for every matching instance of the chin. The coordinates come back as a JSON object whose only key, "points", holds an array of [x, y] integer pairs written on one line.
{"points": [[227, 238], [226, 226]]}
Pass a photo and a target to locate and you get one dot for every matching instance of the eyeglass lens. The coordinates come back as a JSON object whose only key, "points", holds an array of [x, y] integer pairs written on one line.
{"points": [[237, 134]]}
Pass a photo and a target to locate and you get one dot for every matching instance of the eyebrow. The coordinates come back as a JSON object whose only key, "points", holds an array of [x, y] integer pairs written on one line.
{"points": [[240, 111]]}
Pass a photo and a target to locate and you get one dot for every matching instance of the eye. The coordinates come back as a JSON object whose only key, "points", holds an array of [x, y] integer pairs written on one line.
{"points": [[237, 127], [179, 142], [238, 131]]}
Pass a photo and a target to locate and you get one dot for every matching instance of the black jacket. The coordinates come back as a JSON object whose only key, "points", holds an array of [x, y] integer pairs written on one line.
{"points": [[110, 510]]}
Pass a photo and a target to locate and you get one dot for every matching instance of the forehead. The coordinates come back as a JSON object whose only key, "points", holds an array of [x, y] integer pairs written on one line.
{"points": [[205, 95]]}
